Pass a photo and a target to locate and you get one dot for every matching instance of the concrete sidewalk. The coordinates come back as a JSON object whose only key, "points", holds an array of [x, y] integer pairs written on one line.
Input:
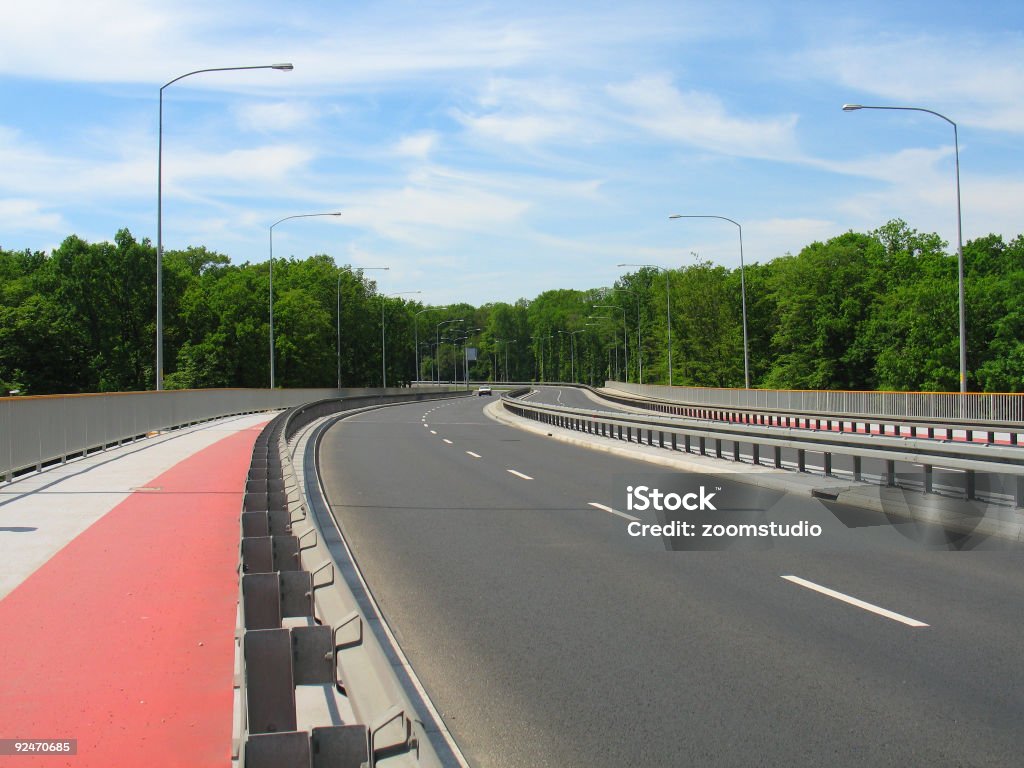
{"points": [[40, 513], [118, 600]]}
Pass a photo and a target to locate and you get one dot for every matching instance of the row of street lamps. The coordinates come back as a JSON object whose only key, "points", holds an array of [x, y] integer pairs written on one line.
{"points": [[743, 285], [160, 249], [668, 301]]}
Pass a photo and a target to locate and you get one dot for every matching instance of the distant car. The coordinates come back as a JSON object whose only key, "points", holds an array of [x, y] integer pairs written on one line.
{"points": [[483, 391]]}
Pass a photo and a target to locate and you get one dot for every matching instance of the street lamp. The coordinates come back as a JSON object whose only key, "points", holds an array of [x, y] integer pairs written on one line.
{"points": [[959, 232], [437, 345], [160, 210], [668, 308], [743, 290], [639, 345], [625, 346], [615, 344], [572, 352], [286, 218], [416, 327], [346, 269], [540, 369], [383, 364]]}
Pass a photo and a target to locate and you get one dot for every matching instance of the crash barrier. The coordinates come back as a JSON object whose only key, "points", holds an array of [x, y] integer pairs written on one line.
{"points": [[313, 686], [725, 441], [978, 431], [971, 407], [37, 431]]}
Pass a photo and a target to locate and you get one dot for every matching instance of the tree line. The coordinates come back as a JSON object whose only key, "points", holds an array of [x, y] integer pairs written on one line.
{"points": [[874, 311]]}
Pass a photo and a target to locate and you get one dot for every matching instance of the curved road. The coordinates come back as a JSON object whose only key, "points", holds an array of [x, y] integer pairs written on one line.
{"points": [[548, 637]]}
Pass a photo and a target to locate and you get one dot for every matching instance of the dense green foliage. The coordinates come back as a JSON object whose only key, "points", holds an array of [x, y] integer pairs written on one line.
{"points": [[861, 311]]}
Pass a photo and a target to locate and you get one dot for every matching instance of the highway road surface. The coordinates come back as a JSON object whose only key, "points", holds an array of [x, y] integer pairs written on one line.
{"points": [[546, 636]]}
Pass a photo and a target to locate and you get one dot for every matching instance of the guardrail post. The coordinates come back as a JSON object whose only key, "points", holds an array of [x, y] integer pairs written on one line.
{"points": [[735, 450], [756, 450], [801, 460], [857, 468], [890, 473], [971, 485], [718, 447], [686, 443], [927, 478], [674, 447], [1018, 495], [702, 447], [778, 457], [828, 464]]}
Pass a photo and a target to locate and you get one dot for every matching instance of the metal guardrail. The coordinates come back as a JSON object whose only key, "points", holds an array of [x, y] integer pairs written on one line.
{"points": [[35, 431], [295, 566], [898, 426], [704, 437], [974, 407]]}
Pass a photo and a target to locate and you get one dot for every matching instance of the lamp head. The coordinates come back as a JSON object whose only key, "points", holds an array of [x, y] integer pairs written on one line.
{"points": [[851, 107], [283, 67]]}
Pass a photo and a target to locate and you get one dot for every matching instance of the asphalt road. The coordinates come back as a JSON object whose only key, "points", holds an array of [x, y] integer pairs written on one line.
{"points": [[546, 636]]}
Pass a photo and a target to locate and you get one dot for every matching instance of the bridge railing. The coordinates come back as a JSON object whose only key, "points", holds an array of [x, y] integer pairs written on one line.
{"points": [[972, 406], [35, 431]]}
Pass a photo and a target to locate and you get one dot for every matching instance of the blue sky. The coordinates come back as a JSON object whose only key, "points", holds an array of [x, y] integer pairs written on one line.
{"points": [[491, 151]]}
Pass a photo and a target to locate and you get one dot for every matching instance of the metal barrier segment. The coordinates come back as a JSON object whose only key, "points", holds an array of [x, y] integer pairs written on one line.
{"points": [[287, 573], [947, 406], [679, 435]]}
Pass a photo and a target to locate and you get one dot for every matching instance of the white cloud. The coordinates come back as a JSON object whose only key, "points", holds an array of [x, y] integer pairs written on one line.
{"points": [[418, 145], [700, 119], [274, 116], [21, 214], [973, 82]]}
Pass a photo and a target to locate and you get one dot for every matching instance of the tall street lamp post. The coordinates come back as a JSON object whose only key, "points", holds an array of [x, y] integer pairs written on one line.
{"points": [[416, 328], [437, 344], [959, 232], [625, 346], [160, 210], [286, 218], [743, 290], [639, 346]]}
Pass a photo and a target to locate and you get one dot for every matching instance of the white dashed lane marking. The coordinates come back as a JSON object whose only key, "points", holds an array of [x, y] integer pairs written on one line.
{"points": [[854, 601]]}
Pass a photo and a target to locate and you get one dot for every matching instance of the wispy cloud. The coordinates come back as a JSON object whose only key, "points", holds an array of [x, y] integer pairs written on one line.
{"points": [[701, 120], [975, 82]]}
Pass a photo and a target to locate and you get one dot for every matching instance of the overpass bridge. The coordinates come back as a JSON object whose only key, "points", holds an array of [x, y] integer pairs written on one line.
{"points": [[482, 601]]}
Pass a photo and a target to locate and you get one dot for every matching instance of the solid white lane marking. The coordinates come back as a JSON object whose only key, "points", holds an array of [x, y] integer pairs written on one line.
{"points": [[447, 441], [603, 508], [519, 474], [854, 601], [474, 455]]}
